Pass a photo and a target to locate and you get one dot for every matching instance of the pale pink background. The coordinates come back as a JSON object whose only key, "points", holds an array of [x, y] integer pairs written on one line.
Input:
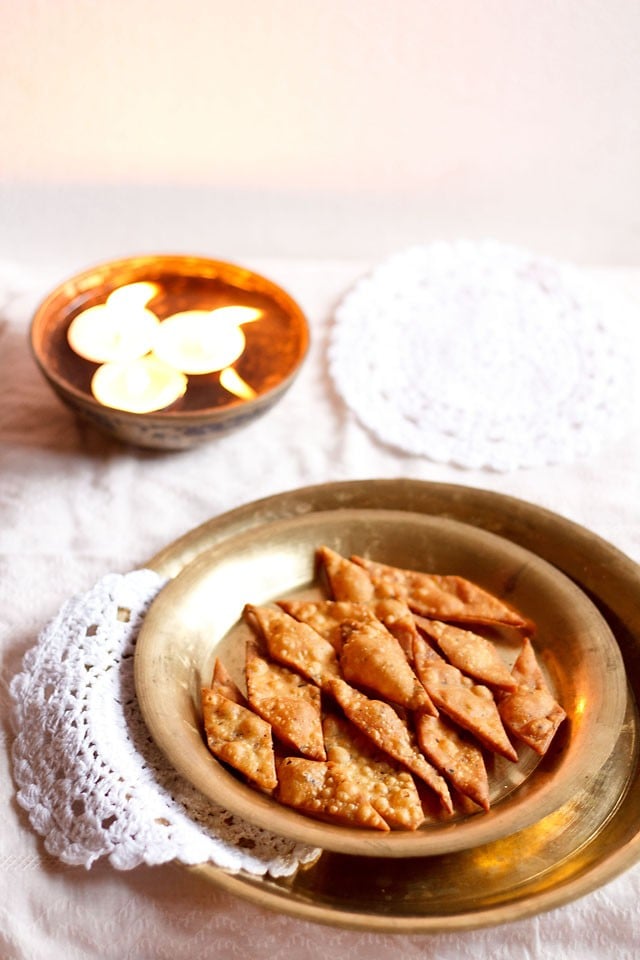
{"points": [[334, 128]]}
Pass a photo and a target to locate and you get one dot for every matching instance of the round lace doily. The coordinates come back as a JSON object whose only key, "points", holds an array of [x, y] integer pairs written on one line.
{"points": [[484, 355], [92, 780]]}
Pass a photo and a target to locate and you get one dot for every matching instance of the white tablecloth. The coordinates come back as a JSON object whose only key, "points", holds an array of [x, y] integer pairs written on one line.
{"points": [[74, 506]]}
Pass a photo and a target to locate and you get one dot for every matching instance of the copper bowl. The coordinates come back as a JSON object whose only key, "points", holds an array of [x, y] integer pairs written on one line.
{"points": [[275, 349]]}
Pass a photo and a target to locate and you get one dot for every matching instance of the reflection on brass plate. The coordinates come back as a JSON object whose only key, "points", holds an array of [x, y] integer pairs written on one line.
{"points": [[584, 839], [197, 616]]}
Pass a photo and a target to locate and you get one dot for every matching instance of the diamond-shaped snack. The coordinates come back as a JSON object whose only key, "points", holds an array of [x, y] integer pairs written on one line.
{"points": [[222, 682], [390, 788], [399, 620], [470, 705], [295, 644], [326, 790], [347, 581], [455, 756], [239, 737], [286, 701], [530, 712], [379, 721], [326, 616], [476, 656], [441, 597], [371, 657]]}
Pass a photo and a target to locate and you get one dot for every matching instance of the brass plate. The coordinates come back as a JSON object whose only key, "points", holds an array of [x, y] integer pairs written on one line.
{"points": [[196, 617], [586, 842]]}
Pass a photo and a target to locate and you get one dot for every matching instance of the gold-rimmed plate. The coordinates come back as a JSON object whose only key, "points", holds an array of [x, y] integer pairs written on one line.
{"points": [[198, 617], [587, 841]]}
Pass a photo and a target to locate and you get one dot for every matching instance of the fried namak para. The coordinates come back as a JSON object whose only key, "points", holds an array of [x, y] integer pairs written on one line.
{"points": [[471, 706], [222, 682], [371, 657], [346, 580], [379, 721], [476, 656], [442, 597], [459, 760], [326, 616], [530, 712], [294, 644], [391, 789], [288, 702], [399, 620], [239, 737], [326, 790]]}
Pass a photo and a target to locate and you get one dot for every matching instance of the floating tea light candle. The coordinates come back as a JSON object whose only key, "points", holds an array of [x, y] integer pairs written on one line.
{"points": [[200, 341], [141, 385], [121, 328], [166, 351]]}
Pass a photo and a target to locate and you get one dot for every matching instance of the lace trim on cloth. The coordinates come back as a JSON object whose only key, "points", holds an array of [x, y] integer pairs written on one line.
{"points": [[89, 775], [484, 355]]}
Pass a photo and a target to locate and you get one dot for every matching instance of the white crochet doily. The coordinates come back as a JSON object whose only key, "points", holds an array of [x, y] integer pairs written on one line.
{"points": [[92, 780], [484, 355]]}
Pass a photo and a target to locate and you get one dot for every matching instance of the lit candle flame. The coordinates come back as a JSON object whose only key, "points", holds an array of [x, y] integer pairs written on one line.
{"points": [[133, 295], [231, 380], [237, 314]]}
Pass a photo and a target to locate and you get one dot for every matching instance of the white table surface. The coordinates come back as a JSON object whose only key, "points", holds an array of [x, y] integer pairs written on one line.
{"points": [[74, 506]]}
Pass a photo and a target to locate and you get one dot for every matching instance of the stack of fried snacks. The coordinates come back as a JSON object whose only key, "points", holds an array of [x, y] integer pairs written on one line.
{"points": [[379, 706]]}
